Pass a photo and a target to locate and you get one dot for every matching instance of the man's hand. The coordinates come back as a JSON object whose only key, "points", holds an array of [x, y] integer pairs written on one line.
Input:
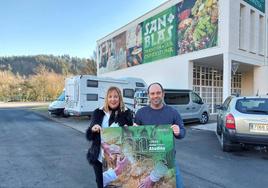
{"points": [[146, 183], [120, 165], [135, 125], [110, 150], [96, 128], [176, 129]]}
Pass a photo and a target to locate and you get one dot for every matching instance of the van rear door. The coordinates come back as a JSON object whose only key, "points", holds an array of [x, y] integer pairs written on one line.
{"points": [[179, 101]]}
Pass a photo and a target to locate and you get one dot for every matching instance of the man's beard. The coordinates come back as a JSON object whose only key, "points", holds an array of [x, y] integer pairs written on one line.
{"points": [[157, 101]]}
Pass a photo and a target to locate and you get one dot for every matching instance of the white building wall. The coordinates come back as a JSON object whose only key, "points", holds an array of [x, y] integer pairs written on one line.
{"points": [[171, 73], [247, 83], [176, 72], [249, 52], [260, 80]]}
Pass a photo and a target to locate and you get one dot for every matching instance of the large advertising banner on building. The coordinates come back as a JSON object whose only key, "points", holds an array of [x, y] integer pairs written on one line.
{"points": [[188, 26], [159, 36], [258, 4], [112, 54], [134, 46], [132, 154], [197, 25]]}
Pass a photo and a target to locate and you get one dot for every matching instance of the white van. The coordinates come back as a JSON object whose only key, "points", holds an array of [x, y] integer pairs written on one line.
{"points": [[57, 107], [85, 93]]}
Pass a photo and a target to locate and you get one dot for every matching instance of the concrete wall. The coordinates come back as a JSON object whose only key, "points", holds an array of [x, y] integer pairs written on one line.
{"points": [[260, 80], [247, 83], [249, 54], [171, 72]]}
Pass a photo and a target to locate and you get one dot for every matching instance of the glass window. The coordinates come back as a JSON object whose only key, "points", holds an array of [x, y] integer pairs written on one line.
{"points": [[61, 97], [92, 97], [176, 98], [252, 106], [139, 84], [226, 102], [128, 93], [252, 35], [92, 83], [261, 35], [242, 27], [196, 98]]}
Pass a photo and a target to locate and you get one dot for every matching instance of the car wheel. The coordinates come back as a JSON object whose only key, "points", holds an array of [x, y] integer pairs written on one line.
{"points": [[226, 145], [204, 118]]}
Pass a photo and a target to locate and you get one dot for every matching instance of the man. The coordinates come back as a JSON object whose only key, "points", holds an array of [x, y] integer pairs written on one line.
{"points": [[157, 113]]}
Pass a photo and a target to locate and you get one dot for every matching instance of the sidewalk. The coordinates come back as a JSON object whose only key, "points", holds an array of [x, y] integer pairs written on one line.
{"points": [[78, 123], [81, 123]]}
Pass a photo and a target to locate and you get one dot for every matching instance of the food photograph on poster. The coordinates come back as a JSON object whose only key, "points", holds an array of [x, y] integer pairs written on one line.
{"points": [[133, 154], [197, 25]]}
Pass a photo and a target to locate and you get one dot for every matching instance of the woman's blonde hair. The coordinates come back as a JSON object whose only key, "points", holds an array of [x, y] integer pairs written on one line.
{"points": [[121, 103]]}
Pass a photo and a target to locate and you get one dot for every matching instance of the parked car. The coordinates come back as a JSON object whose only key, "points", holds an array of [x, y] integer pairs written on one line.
{"points": [[140, 100], [57, 106], [243, 121], [188, 103]]}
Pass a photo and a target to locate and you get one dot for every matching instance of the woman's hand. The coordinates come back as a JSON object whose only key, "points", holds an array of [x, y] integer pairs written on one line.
{"points": [[96, 128]]}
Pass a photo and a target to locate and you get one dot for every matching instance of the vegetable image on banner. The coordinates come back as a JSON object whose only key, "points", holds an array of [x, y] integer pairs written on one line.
{"points": [[133, 153], [197, 25], [159, 36]]}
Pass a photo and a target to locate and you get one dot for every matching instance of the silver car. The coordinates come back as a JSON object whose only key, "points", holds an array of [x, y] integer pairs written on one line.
{"points": [[242, 121]]}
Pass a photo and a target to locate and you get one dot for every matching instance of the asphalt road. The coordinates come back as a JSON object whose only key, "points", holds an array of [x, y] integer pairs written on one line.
{"points": [[38, 152], [204, 165]]}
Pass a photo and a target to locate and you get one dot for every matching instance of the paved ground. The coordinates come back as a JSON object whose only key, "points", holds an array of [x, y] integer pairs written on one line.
{"points": [[200, 158], [36, 152]]}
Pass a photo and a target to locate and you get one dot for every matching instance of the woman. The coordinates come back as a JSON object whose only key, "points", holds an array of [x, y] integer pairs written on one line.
{"points": [[112, 114]]}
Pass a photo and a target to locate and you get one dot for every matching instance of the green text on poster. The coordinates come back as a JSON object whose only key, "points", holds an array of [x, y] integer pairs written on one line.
{"points": [[159, 36]]}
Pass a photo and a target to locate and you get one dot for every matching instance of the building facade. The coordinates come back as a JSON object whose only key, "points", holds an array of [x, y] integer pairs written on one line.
{"points": [[215, 47]]}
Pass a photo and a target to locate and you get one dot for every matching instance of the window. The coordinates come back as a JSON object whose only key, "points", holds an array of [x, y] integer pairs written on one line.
{"points": [[61, 97], [226, 103], [242, 27], [261, 35], [92, 97], [252, 35], [92, 83], [176, 98], [128, 93], [139, 84], [252, 106], [196, 98]]}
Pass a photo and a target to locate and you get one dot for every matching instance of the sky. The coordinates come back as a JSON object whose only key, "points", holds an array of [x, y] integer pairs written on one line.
{"points": [[58, 27]]}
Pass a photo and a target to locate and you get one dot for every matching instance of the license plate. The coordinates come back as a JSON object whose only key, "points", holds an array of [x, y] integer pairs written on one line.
{"points": [[258, 128]]}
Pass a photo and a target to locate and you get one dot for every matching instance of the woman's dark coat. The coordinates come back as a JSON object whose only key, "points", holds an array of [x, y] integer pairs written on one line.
{"points": [[122, 118]]}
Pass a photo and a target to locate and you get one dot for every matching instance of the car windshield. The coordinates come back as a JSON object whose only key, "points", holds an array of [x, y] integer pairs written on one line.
{"points": [[61, 97], [141, 98], [252, 106]]}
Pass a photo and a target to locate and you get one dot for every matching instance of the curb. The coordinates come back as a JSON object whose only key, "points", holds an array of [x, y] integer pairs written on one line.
{"points": [[47, 116]]}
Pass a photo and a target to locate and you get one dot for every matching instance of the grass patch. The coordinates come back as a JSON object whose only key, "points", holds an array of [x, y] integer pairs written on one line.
{"points": [[40, 108]]}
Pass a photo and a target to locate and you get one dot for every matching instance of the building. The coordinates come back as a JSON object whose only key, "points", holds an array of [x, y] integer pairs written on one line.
{"points": [[215, 47]]}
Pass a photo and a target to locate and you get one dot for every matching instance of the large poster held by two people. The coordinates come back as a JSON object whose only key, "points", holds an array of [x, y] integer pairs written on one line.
{"points": [[132, 154]]}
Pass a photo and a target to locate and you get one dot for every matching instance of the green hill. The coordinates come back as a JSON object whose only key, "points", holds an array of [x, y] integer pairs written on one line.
{"points": [[28, 65]]}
